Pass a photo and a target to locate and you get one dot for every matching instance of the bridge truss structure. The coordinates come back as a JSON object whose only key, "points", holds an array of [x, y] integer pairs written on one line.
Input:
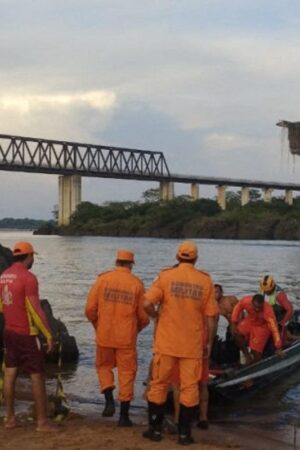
{"points": [[27, 154]]}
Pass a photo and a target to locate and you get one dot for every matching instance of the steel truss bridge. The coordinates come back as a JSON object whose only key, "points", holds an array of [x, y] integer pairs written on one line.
{"points": [[26, 154]]}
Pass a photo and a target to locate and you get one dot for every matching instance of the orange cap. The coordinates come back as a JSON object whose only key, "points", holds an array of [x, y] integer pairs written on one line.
{"points": [[23, 248], [125, 255], [187, 250]]}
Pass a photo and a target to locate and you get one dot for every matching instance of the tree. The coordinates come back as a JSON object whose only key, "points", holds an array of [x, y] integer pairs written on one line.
{"points": [[254, 195], [151, 195]]}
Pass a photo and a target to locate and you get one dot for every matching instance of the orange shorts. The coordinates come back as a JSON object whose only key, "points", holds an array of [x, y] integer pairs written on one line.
{"points": [[257, 335], [203, 378]]}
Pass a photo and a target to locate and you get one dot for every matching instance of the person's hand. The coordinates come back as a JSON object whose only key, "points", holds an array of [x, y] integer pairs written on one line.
{"points": [[50, 345], [280, 353]]}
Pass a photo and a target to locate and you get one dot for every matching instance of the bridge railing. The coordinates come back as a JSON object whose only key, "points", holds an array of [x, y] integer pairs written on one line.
{"points": [[60, 157]]}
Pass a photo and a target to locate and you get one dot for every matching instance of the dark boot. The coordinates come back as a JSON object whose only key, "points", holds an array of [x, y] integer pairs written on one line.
{"points": [[109, 408], [156, 417], [186, 416], [124, 420]]}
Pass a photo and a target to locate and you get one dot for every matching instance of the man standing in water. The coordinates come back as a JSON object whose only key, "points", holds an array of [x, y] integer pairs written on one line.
{"points": [[185, 296], [115, 308], [24, 319]]}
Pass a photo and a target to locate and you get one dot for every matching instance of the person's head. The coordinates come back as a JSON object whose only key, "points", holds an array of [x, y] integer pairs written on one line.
{"points": [[187, 252], [124, 258], [258, 302], [267, 284], [218, 291], [24, 252]]}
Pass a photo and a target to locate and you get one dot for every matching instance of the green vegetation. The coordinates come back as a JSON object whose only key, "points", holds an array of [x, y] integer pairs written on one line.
{"points": [[184, 218], [21, 224]]}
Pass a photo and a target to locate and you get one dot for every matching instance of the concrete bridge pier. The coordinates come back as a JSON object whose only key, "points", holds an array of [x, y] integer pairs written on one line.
{"points": [[69, 187], [221, 196], [166, 190], [267, 195], [245, 197], [288, 197], [195, 191]]}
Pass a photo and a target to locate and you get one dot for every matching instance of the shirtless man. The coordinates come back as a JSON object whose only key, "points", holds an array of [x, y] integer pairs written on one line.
{"points": [[226, 303]]}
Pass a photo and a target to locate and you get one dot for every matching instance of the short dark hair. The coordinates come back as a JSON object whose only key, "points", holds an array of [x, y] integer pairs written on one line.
{"points": [[20, 258], [219, 286], [122, 263], [258, 298]]}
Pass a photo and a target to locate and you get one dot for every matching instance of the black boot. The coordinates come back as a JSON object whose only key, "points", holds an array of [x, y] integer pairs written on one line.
{"points": [[124, 420], [156, 417], [186, 416], [109, 408]]}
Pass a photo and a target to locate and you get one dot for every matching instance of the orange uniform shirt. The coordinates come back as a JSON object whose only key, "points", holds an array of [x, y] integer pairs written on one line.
{"points": [[266, 317], [115, 307], [186, 297]]}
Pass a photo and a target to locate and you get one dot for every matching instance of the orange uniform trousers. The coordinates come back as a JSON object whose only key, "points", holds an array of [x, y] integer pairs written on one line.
{"points": [[256, 334], [163, 367], [125, 360]]}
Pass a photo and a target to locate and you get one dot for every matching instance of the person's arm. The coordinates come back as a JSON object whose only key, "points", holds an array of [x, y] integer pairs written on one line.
{"points": [[35, 311], [212, 323], [286, 304], [212, 315], [273, 327], [142, 316], [153, 297], [91, 307], [237, 311]]}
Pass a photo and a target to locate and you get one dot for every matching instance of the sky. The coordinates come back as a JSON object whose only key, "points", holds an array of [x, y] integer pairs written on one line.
{"points": [[203, 81]]}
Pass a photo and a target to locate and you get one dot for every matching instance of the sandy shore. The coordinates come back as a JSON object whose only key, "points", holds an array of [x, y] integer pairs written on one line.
{"points": [[89, 433]]}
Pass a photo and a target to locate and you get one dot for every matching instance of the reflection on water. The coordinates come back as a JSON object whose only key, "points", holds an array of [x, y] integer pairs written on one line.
{"points": [[67, 266]]}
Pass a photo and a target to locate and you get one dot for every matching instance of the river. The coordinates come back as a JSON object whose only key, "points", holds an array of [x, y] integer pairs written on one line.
{"points": [[67, 266]]}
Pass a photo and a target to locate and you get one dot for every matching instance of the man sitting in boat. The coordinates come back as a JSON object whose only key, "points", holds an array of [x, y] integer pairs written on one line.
{"points": [[226, 303], [277, 298], [256, 328]]}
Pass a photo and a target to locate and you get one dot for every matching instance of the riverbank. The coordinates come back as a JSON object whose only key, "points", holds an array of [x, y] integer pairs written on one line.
{"points": [[183, 218]]}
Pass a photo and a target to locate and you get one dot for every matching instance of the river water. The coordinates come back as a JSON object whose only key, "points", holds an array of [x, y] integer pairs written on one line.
{"points": [[67, 266]]}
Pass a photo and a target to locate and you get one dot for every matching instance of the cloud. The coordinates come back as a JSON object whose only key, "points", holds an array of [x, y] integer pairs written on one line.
{"points": [[26, 103], [203, 81]]}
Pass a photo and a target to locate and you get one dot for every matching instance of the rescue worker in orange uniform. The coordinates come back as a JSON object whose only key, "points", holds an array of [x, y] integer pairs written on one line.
{"points": [[256, 328], [277, 298], [203, 387], [24, 319], [115, 308], [185, 296]]}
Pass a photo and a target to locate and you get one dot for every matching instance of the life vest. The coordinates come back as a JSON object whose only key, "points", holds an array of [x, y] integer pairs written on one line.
{"points": [[279, 311]]}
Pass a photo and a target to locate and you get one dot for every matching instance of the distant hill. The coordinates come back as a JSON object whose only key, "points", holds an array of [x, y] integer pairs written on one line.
{"points": [[21, 224]]}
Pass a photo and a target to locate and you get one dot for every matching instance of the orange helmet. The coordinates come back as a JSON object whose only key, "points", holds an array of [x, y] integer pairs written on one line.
{"points": [[267, 283]]}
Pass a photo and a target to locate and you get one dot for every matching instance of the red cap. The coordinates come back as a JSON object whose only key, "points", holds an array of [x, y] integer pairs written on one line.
{"points": [[125, 255], [23, 248]]}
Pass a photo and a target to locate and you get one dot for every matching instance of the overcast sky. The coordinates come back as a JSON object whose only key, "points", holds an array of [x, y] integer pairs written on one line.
{"points": [[204, 81]]}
